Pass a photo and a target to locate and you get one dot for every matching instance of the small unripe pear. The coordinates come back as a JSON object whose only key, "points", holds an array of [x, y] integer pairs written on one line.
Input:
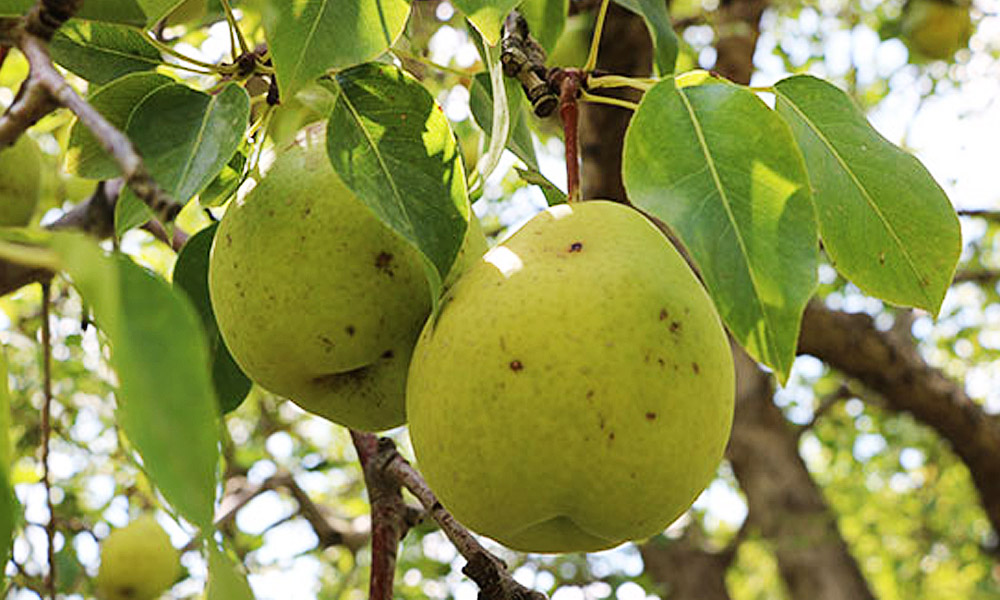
{"points": [[575, 391], [20, 182], [138, 562]]}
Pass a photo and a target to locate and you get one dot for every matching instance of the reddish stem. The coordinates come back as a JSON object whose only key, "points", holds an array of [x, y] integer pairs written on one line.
{"points": [[569, 81]]}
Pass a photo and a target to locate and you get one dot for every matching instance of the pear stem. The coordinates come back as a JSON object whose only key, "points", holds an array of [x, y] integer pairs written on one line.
{"points": [[569, 84]]}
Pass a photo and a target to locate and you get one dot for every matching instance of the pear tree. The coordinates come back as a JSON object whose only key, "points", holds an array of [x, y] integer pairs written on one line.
{"points": [[567, 382]]}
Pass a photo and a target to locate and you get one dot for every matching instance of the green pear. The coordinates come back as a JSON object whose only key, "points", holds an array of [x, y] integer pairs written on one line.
{"points": [[575, 390], [317, 300], [936, 29], [20, 182], [138, 562]]}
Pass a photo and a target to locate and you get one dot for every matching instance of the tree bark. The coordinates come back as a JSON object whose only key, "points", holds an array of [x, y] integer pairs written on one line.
{"points": [[890, 364]]}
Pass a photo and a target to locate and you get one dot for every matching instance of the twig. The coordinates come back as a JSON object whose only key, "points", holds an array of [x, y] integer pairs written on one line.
{"points": [[50, 526], [488, 571], [980, 213], [391, 517], [977, 276], [113, 141]]}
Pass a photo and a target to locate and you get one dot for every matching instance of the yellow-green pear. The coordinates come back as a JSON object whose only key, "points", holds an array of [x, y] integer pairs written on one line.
{"points": [[138, 562], [317, 300], [575, 391], [20, 182], [936, 29]]}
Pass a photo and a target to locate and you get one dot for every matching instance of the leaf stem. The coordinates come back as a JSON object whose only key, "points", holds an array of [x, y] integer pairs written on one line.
{"points": [[181, 56], [618, 81], [595, 99], [234, 29], [595, 42]]}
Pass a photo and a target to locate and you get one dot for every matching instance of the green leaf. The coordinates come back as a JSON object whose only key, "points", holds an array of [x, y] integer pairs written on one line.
{"points": [[309, 37], [187, 137], [487, 16], [553, 195], [500, 115], [393, 147], [166, 406], [191, 276], [8, 502], [99, 52], [130, 212], [116, 101], [723, 171], [886, 224], [519, 134], [546, 20], [125, 12], [226, 580], [227, 181], [654, 13]]}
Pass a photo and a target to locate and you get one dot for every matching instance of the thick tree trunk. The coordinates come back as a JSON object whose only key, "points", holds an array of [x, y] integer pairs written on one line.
{"points": [[786, 506], [625, 49]]}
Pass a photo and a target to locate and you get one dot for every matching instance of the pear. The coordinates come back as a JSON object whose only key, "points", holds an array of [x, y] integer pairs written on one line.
{"points": [[317, 300], [20, 182], [936, 29], [138, 562], [575, 390]]}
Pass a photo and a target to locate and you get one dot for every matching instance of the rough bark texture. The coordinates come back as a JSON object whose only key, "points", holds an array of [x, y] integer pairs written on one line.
{"points": [[889, 363]]}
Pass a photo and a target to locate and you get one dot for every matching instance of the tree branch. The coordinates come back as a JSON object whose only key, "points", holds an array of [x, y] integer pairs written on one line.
{"points": [[46, 89], [892, 366], [391, 517], [488, 571]]}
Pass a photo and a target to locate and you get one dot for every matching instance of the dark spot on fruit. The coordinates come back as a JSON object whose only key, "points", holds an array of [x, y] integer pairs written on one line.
{"points": [[611, 436], [590, 393], [229, 239], [675, 327], [576, 247], [881, 258], [307, 212], [387, 354], [651, 416], [696, 368], [349, 329], [662, 362], [632, 475], [515, 365], [600, 421], [664, 314], [383, 262], [270, 213], [326, 342]]}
